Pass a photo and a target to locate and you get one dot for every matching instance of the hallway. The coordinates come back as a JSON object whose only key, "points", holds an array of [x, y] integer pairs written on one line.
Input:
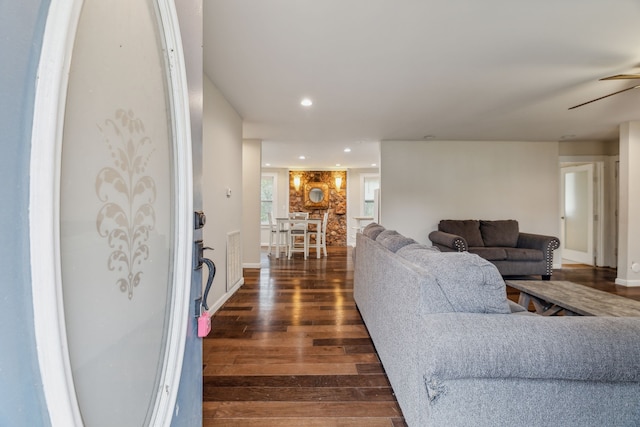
{"points": [[290, 349]]}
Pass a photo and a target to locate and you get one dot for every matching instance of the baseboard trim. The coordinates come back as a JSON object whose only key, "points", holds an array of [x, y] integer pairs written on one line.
{"points": [[251, 265], [216, 306], [627, 283]]}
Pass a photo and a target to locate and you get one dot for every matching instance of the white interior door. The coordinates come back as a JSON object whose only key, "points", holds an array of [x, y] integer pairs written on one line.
{"points": [[112, 305], [577, 224]]}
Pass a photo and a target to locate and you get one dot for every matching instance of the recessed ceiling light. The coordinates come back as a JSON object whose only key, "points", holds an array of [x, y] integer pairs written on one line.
{"points": [[374, 164], [337, 164], [347, 150], [302, 157], [428, 137], [306, 102], [267, 164]]}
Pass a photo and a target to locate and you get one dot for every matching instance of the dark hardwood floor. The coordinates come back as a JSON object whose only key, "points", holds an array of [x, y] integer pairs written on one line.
{"points": [[290, 349]]}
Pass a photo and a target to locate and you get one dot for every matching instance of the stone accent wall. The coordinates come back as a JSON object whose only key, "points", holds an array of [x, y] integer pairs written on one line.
{"points": [[337, 221]]}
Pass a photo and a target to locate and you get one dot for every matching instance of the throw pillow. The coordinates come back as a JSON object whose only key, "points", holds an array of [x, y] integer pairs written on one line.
{"points": [[372, 230], [469, 229], [500, 233], [470, 283]]}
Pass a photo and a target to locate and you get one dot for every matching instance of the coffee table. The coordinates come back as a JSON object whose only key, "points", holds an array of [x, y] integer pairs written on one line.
{"points": [[551, 297]]}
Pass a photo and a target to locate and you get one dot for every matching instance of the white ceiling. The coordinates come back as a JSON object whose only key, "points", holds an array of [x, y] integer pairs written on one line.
{"points": [[404, 69]]}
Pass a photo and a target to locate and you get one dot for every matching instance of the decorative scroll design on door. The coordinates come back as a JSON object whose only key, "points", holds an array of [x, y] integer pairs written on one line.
{"points": [[127, 215]]}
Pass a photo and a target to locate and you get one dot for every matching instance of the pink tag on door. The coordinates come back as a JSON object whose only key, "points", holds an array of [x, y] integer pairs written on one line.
{"points": [[204, 324]]}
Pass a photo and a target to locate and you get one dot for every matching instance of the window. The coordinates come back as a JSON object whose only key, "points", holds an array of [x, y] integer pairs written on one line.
{"points": [[370, 183], [268, 191]]}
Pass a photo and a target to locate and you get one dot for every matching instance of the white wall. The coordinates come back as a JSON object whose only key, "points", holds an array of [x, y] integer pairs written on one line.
{"points": [[222, 169], [251, 164], [589, 148], [423, 182]]}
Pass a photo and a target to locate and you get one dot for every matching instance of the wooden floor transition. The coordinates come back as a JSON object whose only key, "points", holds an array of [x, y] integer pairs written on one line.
{"points": [[290, 349]]}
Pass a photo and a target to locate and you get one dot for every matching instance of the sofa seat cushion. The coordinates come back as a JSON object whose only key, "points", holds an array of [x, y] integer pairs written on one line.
{"points": [[470, 284], [491, 254], [393, 240], [503, 233], [469, 229], [522, 254]]}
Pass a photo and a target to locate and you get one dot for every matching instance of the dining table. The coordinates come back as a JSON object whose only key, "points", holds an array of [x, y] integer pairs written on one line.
{"points": [[283, 225]]}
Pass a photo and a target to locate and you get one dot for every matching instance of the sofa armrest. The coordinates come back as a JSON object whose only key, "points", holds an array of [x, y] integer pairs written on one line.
{"points": [[448, 242], [465, 345]]}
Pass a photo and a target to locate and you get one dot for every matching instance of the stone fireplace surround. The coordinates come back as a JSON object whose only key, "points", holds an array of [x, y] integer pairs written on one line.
{"points": [[337, 221]]}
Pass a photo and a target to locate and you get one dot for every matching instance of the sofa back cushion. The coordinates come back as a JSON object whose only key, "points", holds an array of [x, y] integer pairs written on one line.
{"points": [[372, 230], [393, 240], [469, 229], [470, 284], [409, 251], [502, 233]]}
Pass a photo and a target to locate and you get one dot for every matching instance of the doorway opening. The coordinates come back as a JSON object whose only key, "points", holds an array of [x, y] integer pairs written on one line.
{"points": [[588, 232]]}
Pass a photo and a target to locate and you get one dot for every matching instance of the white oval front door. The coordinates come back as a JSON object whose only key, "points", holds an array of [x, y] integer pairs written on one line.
{"points": [[123, 204]]}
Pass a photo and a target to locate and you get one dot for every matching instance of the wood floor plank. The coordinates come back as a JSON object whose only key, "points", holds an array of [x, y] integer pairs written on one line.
{"points": [[222, 355], [298, 394], [266, 342], [300, 422], [300, 409], [360, 381], [283, 369], [316, 336], [342, 341], [352, 349], [314, 358], [327, 328]]}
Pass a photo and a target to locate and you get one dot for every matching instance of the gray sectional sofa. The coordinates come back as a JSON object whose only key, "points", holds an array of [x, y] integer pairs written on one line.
{"points": [[458, 353], [501, 242]]}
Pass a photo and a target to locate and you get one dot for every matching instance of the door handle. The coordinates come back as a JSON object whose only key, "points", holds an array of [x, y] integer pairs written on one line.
{"points": [[202, 309], [212, 272], [200, 259]]}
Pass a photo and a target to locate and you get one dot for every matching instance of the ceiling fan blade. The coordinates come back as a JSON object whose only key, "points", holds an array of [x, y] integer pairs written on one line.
{"points": [[622, 77], [603, 97]]}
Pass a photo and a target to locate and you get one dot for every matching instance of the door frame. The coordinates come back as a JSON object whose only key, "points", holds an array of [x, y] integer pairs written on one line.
{"points": [[595, 215], [44, 214]]}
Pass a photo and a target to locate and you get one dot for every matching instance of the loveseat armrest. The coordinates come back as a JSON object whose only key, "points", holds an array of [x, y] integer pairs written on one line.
{"points": [[538, 241], [546, 244], [447, 242]]}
